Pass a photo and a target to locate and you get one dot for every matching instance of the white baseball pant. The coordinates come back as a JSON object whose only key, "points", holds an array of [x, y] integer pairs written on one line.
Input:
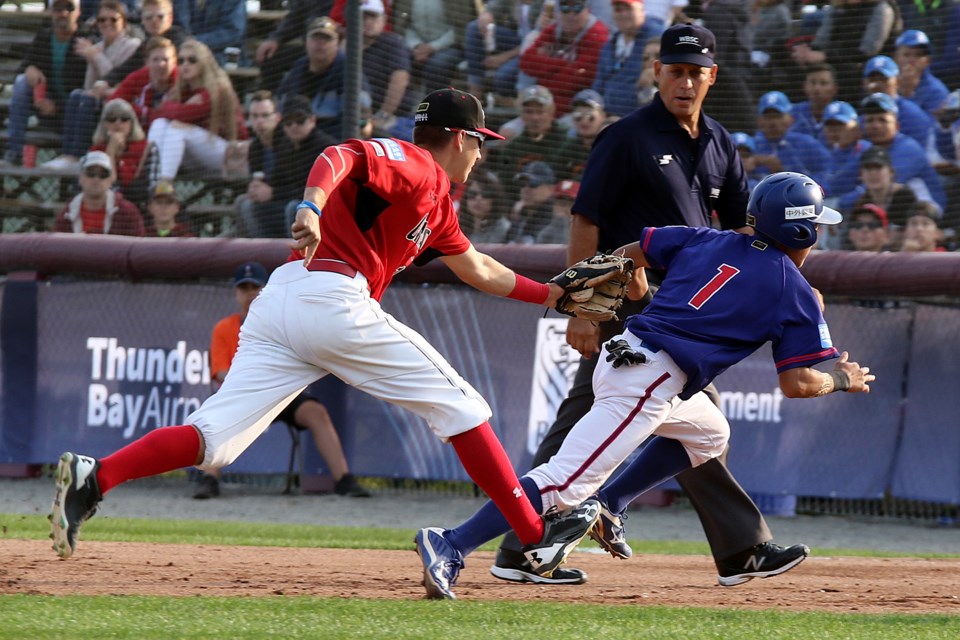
{"points": [[306, 324], [178, 143], [632, 403]]}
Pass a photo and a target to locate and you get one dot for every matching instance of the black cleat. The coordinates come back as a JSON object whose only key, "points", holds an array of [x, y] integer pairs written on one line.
{"points": [[512, 566], [762, 561], [561, 534], [75, 502]]}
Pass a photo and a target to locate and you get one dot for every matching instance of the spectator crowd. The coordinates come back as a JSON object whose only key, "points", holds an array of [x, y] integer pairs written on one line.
{"points": [[861, 95]]}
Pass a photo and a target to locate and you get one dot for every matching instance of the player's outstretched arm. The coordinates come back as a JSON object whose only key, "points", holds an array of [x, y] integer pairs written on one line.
{"points": [[806, 382], [486, 274]]}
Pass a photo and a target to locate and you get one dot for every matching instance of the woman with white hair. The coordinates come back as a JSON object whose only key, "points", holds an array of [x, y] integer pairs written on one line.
{"points": [[200, 117], [120, 135]]}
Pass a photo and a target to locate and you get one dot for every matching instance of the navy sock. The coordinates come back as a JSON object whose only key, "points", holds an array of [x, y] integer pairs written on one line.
{"points": [[488, 523], [660, 460]]}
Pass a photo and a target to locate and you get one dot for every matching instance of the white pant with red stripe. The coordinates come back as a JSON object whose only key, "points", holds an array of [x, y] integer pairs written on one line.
{"points": [[306, 324], [632, 403]]}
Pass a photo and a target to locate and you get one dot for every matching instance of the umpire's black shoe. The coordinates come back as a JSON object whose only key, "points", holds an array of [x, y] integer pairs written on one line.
{"points": [[513, 566], [348, 486], [561, 534], [209, 488], [75, 502], [762, 561]]}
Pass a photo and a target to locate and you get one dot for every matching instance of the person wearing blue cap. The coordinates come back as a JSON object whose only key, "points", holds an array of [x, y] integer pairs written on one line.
{"points": [[940, 20], [588, 117], [621, 58], [917, 83], [841, 134], [781, 149], [882, 75], [878, 113], [746, 147]]}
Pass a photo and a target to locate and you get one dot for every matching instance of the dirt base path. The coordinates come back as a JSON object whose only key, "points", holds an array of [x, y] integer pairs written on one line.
{"points": [[857, 585]]}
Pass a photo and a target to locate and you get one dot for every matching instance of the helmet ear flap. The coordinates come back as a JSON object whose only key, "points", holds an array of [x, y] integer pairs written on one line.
{"points": [[802, 235]]}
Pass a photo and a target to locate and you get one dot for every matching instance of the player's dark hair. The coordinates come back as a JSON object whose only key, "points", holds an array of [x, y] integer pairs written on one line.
{"points": [[430, 137], [822, 66]]}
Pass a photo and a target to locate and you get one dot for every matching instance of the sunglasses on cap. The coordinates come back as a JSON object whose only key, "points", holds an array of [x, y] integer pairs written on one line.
{"points": [[112, 119], [571, 7], [467, 132], [186, 59], [96, 172]]}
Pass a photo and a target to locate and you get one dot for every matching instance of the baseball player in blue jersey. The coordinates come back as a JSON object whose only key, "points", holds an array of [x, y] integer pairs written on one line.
{"points": [[724, 295]]}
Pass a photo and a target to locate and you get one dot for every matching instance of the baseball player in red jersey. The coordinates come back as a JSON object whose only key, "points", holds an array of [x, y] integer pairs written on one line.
{"points": [[370, 209]]}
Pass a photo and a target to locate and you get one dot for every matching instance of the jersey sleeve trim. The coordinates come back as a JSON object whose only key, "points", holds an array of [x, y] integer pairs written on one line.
{"points": [[807, 360]]}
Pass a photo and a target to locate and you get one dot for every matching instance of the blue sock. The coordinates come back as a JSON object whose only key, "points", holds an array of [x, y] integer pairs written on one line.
{"points": [[488, 523], [660, 460]]}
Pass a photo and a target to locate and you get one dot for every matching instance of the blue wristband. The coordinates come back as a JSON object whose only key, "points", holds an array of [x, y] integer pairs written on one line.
{"points": [[306, 204]]}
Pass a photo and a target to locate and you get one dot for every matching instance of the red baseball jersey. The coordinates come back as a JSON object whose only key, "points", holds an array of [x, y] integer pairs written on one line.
{"points": [[389, 205]]}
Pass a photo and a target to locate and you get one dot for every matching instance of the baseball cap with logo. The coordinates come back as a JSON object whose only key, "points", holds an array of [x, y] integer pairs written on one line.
{"points": [[536, 93], [839, 111], [774, 101], [879, 103], [252, 272], [913, 38], [164, 190], [535, 174], [453, 109], [688, 44], [875, 157], [588, 98], [324, 24], [96, 159], [745, 140], [870, 209], [296, 106], [884, 65]]}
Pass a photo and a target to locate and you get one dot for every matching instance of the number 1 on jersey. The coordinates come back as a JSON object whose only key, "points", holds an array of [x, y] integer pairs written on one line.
{"points": [[724, 273]]}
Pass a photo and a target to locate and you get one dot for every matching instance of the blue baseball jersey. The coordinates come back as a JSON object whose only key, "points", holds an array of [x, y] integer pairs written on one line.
{"points": [[724, 295]]}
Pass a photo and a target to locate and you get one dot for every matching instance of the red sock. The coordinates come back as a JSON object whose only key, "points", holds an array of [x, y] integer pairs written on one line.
{"points": [[161, 450], [482, 455]]}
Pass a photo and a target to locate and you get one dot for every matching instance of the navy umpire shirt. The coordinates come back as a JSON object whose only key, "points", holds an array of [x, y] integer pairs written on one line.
{"points": [[646, 171]]}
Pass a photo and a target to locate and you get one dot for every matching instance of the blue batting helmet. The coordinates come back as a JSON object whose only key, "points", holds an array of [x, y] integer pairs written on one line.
{"points": [[787, 207]]}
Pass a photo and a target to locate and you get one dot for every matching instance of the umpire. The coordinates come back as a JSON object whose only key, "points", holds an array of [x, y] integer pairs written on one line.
{"points": [[665, 164]]}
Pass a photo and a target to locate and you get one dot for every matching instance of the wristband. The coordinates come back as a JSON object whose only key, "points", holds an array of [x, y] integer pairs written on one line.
{"points": [[306, 204], [841, 381], [527, 290]]}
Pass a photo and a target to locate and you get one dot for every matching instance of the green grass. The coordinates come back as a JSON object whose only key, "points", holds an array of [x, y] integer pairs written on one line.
{"points": [[293, 617], [145, 618]]}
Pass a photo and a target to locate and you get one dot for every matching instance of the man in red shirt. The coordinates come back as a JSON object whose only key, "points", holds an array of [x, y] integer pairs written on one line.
{"points": [[370, 209], [565, 55], [98, 209]]}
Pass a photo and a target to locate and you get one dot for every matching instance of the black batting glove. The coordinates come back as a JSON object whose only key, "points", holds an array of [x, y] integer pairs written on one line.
{"points": [[621, 354]]}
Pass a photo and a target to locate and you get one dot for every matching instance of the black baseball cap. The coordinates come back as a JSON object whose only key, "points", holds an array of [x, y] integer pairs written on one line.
{"points": [[453, 109], [252, 272], [688, 44]]}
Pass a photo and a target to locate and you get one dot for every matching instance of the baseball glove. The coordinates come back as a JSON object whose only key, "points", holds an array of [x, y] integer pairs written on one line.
{"points": [[594, 288]]}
